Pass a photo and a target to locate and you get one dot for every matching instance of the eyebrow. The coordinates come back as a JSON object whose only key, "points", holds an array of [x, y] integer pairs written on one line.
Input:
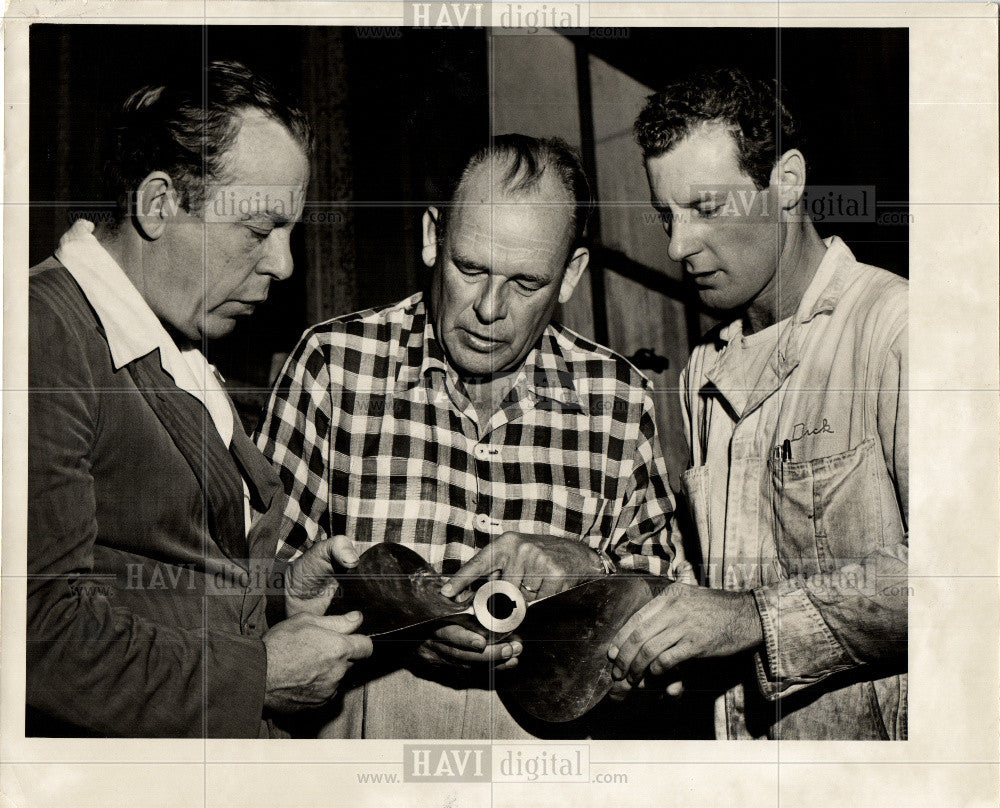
{"points": [[467, 263], [278, 219], [691, 203], [463, 262], [659, 207]]}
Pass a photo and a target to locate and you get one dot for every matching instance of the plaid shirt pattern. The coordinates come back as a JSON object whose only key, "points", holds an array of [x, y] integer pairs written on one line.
{"points": [[374, 437]]}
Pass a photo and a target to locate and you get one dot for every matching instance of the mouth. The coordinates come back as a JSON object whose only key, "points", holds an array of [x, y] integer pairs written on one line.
{"points": [[239, 308], [481, 342], [703, 278]]}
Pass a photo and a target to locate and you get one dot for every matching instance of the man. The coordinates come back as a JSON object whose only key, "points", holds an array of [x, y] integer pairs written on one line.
{"points": [[797, 422], [146, 585], [467, 421]]}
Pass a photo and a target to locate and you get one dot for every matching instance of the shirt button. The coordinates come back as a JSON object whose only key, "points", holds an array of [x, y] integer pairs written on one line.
{"points": [[481, 452], [482, 522]]}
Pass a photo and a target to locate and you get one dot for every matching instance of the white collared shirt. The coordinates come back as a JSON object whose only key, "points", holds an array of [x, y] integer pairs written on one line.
{"points": [[133, 330]]}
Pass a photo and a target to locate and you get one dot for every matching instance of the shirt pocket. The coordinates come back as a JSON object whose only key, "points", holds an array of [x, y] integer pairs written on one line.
{"points": [[560, 511], [827, 511]]}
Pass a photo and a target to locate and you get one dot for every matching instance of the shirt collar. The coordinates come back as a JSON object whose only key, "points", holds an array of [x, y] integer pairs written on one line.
{"points": [[821, 296], [548, 374], [545, 369], [132, 329]]}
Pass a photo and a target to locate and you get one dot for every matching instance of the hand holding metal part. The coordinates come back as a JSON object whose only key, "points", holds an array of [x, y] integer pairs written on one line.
{"points": [[311, 580], [564, 670], [539, 565]]}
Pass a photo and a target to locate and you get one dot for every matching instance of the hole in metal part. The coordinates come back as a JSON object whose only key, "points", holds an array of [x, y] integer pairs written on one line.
{"points": [[500, 606]]}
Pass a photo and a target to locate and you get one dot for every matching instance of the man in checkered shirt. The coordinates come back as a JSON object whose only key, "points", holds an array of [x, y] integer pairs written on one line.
{"points": [[469, 427]]}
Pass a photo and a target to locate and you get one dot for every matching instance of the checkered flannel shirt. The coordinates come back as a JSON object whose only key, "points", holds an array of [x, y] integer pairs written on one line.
{"points": [[374, 437]]}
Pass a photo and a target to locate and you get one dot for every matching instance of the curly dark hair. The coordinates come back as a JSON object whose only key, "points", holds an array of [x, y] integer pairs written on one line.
{"points": [[753, 108], [185, 127]]}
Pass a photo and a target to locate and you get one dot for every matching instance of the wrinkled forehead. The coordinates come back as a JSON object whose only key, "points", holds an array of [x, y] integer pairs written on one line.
{"points": [[532, 225]]}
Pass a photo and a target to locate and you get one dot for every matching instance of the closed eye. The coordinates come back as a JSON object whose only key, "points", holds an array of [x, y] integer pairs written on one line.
{"points": [[528, 285], [468, 267], [260, 233], [664, 215]]}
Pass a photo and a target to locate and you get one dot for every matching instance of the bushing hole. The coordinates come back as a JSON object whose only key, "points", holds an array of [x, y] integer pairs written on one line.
{"points": [[500, 606]]}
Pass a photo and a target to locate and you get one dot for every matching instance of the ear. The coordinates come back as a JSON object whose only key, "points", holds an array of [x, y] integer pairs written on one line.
{"points": [[574, 271], [788, 178], [430, 231], [155, 205]]}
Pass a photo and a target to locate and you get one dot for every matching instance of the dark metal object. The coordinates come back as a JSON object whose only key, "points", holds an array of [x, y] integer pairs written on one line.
{"points": [[395, 589], [648, 359], [563, 671]]}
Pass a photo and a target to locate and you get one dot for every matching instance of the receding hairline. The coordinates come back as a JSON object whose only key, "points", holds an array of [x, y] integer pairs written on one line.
{"points": [[516, 168], [497, 169], [253, 119]]}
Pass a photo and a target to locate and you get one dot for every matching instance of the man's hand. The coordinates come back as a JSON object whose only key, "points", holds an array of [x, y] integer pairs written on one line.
{"points": [[310, 581], [454, 646], [684, 622], [307, 656], [539, 565]]}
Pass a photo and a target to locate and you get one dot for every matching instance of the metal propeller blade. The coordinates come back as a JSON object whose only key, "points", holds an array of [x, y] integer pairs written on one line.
{"points": [[563, 671]]}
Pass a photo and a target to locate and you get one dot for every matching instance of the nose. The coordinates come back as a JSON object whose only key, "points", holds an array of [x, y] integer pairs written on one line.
{"points": [[277, 261], [490, 305], [683, 242]]}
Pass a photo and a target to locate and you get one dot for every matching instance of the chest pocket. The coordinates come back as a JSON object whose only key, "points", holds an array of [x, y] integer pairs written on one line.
{"points": [[560, 511], [829, 512]]}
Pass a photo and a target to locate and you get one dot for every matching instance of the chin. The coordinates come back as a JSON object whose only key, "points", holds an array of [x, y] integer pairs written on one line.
{"points": [[718, 302], [218, 329], [477, 365], [477, 369]]}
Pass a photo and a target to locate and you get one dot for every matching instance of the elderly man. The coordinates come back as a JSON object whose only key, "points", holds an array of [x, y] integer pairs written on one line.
{"points": [[797, 422], [469, 427], [146, 581]]}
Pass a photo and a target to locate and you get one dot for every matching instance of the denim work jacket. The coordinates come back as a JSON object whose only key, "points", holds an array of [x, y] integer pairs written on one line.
{"points": [[798, 490]]}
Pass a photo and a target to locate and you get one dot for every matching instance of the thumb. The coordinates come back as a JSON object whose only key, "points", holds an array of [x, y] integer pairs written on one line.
{"points": [[341, 550], [344, 551], [341, 623]]}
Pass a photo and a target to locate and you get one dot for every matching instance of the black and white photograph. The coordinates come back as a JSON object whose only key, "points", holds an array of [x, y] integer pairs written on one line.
{"points": [[497, 400]]}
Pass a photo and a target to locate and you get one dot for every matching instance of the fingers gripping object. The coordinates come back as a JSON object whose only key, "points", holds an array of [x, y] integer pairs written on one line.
{"points": [[564, 670], [397, 591]]}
